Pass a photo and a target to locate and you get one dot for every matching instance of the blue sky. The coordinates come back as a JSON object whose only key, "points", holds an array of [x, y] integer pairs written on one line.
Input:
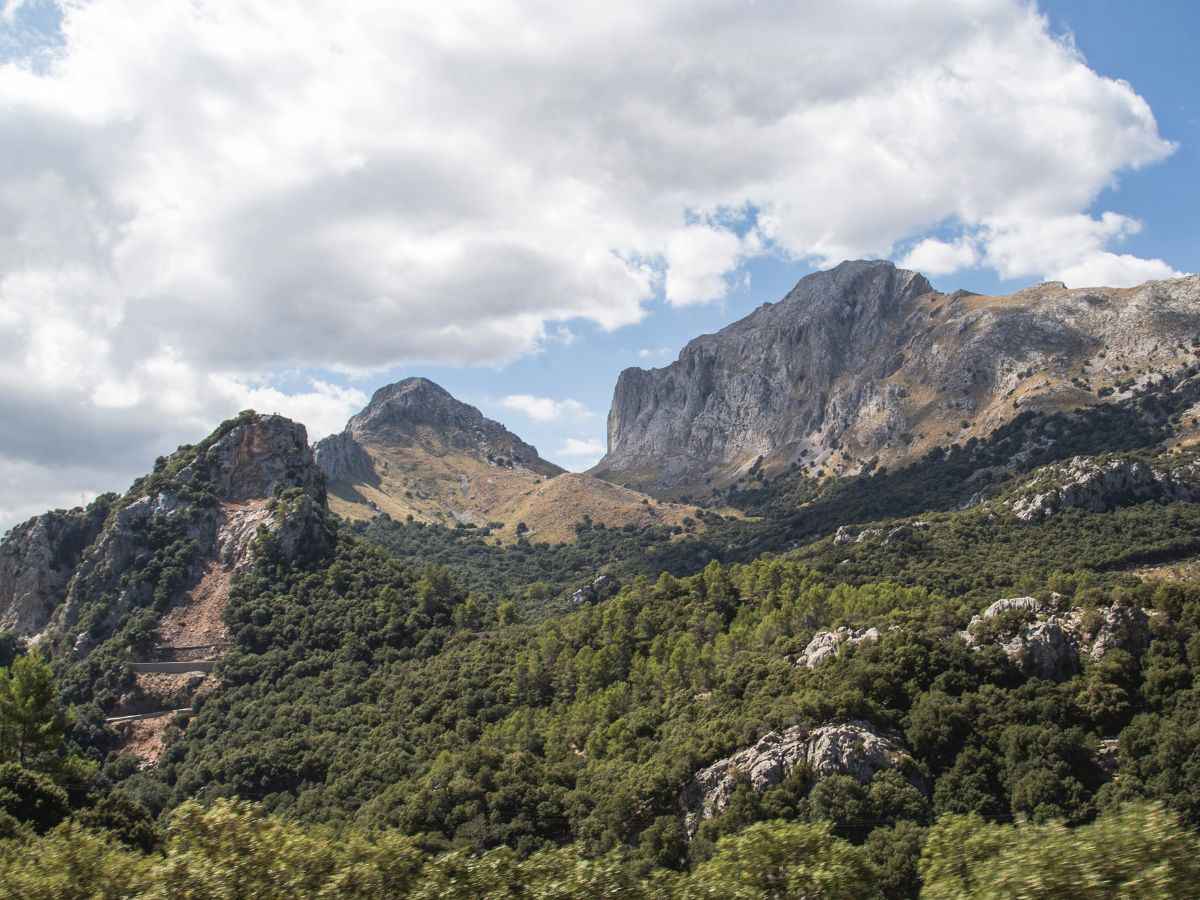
{"points": [[210, 206], [1153, 46]]}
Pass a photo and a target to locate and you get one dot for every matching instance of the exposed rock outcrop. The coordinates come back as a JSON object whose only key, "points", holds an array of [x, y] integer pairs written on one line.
{"points": [[1100, 485], [847, 534], [416, 411], [866, 361], [342, 458], [601, 588], [1047, 641], [849, 748], [37, 559], [828, 644], [255, 474]]}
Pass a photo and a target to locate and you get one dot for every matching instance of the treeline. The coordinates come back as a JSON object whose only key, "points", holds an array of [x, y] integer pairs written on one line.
{"points": [[231, 850]]}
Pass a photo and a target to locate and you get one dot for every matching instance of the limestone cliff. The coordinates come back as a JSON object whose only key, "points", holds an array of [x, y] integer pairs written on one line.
{"points": [[37, 559], [74, 577], [197, 517], [868, 363]]}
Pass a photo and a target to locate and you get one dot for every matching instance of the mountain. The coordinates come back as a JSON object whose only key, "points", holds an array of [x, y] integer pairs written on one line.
{"points": [[992, 643], [37, 560], [417, 451], [212, 497], [866, 364], [130, 593]]}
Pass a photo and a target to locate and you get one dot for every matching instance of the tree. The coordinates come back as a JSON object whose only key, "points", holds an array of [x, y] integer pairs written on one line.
{"points": [[31, 798], [11, 647], [1139, 851], [782, 859], [32, 721]]}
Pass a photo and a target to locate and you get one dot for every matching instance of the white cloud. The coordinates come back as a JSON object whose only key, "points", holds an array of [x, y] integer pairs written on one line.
{"points": [[658, 353], [699, 257], [581, 453], [323, 408], [545, 409], [1070, 248], [198, 196], [936, 257]]}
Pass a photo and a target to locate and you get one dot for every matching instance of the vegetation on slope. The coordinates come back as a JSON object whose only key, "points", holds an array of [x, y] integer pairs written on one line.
{"points": [[408, 707]]}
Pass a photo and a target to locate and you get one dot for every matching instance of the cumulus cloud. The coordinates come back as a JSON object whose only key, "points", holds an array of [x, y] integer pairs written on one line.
{"points": [[1071, 248], [199, 196], [545, 409], [581, 453], [937, 257], [699, 258]]}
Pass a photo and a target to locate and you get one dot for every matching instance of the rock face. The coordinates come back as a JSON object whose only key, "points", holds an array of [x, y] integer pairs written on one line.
{"points": [[255, 472], [867, 361], [37, 559], [847, 534], [418, 412], [1098, 486], [826, 645], [342, 458], [1049, 642], [849, 748]]}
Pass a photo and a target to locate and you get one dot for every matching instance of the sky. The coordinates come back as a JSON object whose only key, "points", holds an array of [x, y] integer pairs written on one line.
{"points": [[207, 207]]}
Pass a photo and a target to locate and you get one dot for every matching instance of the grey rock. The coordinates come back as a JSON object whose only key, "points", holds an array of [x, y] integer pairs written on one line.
{"points": [[342, 458], [417, 412], [1108, 755], [258, 456], [827, 644], [601, 588], [848, 748], [1098, 486], [1051, 643], [856, 360], [1045, 650], [37, 559]]}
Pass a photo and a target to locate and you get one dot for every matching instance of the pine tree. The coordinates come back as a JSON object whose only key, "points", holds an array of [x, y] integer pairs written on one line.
{"points": [[32, 721]]}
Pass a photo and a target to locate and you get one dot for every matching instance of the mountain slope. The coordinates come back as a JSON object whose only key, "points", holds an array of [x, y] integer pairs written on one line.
{"points": [[417, 451], [867, 364]]}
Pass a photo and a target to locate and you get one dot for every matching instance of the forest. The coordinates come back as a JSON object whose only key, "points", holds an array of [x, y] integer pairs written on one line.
{"points": [[378, 713], [414, 711]]}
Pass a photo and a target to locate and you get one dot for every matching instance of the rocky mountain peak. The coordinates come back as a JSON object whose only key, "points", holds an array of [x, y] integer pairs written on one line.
{"points": [[396, 410], [83, 569], [416, 412], [866, 364], [252, 458]]}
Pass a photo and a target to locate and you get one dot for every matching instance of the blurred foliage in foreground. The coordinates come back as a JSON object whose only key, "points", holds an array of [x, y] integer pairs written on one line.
{"points": [[234, 850]]}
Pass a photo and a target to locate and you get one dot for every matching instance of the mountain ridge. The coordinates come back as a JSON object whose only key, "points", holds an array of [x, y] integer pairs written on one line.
{"points": [[866, 364], [415, 450]]}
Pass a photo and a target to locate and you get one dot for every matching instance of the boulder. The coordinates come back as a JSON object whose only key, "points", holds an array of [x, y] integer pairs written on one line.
{"points": [[601, 588], [846, 748], [1048, 642], [827, 644]]}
